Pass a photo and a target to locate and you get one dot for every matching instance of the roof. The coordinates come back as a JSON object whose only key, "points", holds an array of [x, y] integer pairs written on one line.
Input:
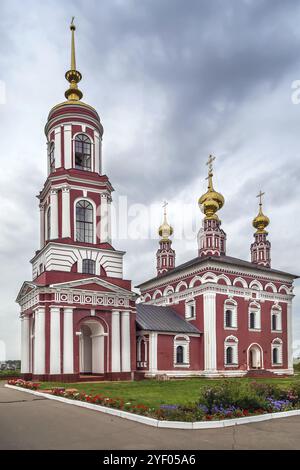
{"points": [[220, 259], [158, 318]]}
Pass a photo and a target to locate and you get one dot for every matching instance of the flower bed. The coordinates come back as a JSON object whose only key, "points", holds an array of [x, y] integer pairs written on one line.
{"points": [[223, 401]]}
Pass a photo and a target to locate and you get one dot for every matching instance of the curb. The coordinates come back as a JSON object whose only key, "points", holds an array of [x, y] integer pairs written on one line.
{"points": [[162, 424]]}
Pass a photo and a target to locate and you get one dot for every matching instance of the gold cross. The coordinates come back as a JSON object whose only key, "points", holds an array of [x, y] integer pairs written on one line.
{"points": [[209, 163], [260, 195]]}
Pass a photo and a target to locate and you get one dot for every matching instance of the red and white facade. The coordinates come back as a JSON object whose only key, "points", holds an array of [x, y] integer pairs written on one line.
{"points": [[212, 316]]}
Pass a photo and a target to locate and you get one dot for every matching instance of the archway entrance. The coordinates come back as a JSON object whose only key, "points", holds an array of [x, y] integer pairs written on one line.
{"points": [[255, 357], [91, 348]]}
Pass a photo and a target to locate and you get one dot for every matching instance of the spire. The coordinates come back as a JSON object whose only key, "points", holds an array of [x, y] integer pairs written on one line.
{"points": [[72, 75], [211, 201], [165, 255], [211, 238], [261, 248]]}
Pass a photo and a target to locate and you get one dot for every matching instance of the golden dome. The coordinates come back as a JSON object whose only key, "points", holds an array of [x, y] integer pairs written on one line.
{"points": [[211, 201], [165, 230], [261, 221]]}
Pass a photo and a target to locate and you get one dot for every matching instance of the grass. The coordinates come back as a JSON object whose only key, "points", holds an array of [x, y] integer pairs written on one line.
{"points": [[154, 393], [9, 373]]}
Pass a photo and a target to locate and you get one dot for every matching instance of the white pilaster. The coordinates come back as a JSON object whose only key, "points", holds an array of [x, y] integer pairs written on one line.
{"points": [[25, 345], [42, 225], [55, 340], [68, 146], [57, 147], [290, 335], [115, 342], [109, 219], [153, 353], [66, 215], [54, 213], [210, 348], [39, 341], [125, 325], [68, 341], [104, 219], [97, 153]]}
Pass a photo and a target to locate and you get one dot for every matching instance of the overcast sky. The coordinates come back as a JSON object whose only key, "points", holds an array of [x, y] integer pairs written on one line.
{"points": [[172, 80]]}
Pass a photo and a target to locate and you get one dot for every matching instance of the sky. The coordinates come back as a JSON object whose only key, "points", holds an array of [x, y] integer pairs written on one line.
{"points": [[173, 81]]}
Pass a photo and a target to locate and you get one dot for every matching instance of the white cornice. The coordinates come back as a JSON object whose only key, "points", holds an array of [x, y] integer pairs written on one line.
{"points": [[221, 268]]}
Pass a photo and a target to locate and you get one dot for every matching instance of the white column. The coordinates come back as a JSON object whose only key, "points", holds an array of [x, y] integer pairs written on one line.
{"points": [[290, 335], [42, 225], [68, 146], [25, 345], [54, 213], [115, 342], [125, 324], [55, 340], [68, 341], [66, 215], [57, 147], [210, 348], [153, 353], [39, 341]]}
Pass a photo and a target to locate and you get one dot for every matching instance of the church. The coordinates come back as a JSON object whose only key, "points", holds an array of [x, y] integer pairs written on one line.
{"points": [[213, 316]]}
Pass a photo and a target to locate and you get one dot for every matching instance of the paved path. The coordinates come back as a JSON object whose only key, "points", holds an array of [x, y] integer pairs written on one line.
{"points": [[29, 422]]}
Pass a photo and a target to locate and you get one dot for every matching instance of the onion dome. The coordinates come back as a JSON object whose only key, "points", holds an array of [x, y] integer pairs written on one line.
{"points": [[211, 201], [165, 230], [261, 221]]}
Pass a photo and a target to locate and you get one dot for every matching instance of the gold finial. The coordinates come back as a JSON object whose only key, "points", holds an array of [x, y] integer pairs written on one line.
{"points": [[165, 230], [72, 75], [261, 221], [211, 201]]}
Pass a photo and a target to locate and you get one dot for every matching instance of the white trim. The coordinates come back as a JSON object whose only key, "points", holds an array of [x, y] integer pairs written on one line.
{"points": [[153, 352], [126, 341], [261, 355], [39, 341]]}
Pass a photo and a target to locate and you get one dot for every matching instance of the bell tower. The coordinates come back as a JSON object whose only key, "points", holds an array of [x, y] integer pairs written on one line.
{"points": [[261, 247], [211, 238]]}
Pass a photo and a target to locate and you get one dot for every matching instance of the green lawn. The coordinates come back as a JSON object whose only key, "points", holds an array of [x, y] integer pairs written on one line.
{"points": [[154, 393]]}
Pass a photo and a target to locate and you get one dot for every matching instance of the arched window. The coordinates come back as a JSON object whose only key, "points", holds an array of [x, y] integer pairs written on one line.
{"points": [[181, 351], [49, 223], [229, 355], [190, 309], [228, 318], [230, 313], [179, 355], [83, 153], [88, 266], [51, 157], [276, 318], [231, 351], [254, 322], [84, 222], [277, 351], [275, 356]]}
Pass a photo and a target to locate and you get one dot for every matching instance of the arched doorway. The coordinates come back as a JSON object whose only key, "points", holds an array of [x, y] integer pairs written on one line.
{"points": [[91, 348], [255, 357]]}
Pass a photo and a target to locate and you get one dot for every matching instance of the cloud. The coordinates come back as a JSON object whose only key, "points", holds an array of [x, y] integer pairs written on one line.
{"points": [[173, 81]]}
